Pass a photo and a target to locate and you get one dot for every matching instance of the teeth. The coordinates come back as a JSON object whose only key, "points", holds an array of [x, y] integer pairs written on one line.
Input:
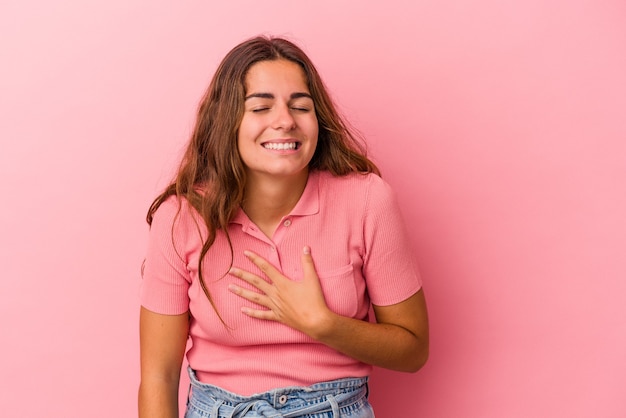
{"points": [[280, 146]]}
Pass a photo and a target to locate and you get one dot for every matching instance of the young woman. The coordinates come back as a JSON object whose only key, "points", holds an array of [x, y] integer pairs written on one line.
{"points": [[268, 250]]}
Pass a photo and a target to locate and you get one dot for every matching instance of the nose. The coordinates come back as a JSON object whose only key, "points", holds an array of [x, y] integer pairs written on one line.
{"points": [[284, 120]]}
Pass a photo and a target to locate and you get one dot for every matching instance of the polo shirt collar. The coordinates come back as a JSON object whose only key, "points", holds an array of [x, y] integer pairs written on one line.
{"points": [[309, 203]]}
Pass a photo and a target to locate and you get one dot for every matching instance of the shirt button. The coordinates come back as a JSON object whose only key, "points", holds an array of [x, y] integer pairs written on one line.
{"points": [[282, 400], [287, 222]]}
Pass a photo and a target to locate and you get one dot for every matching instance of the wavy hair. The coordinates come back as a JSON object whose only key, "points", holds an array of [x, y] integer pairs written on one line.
{"points": [[211, 175]]}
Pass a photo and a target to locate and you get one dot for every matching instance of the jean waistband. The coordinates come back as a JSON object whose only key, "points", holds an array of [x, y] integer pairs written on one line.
{"points": [[339, 396]]}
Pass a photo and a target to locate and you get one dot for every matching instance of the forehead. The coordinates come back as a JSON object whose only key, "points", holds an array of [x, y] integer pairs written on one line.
{"points": [[266, 76]]}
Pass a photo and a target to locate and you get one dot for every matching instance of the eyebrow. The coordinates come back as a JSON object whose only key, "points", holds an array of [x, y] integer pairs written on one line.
{"points": [[271, 96]]}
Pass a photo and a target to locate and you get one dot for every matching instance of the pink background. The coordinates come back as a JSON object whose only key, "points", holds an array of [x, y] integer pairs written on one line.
{"points": [[501, 124]]}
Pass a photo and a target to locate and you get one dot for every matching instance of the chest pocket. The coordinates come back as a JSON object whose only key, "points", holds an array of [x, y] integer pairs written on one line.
{"points": [[340, 291]]}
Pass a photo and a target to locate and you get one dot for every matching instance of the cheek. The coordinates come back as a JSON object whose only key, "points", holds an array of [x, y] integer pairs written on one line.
{"points": [[315, 134], [246, 133], [241, 134], [243, 144], [313, 129]]}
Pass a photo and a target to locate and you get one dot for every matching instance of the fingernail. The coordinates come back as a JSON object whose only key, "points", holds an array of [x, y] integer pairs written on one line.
{"points": [[306, 250], [247, 253]]}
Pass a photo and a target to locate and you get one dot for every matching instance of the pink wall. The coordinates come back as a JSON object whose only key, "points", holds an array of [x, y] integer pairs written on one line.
{"points": [[502, 125]]}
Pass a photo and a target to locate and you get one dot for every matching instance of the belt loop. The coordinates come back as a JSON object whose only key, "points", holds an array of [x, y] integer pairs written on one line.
{"points": [[215, 411], [334, 405]]}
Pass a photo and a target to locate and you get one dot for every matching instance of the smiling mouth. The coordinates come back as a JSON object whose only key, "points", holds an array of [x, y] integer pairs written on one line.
{"points": [[282, 146]]}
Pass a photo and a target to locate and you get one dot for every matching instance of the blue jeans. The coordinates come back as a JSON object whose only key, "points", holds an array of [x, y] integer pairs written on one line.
{"points": [[335, 399]]}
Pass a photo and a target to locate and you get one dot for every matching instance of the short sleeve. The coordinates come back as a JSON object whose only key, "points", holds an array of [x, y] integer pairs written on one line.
{"points": [[166, 278], [389, 267]]}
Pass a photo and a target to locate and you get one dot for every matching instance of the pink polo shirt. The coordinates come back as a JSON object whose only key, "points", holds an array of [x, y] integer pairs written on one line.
{"points": [[361, 253]]}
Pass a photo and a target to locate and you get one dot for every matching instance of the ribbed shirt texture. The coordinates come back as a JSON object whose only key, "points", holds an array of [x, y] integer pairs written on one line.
{"points": [[361, 253]]}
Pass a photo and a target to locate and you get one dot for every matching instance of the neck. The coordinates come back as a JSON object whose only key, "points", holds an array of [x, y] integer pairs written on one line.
{"points": [[267, 201]]}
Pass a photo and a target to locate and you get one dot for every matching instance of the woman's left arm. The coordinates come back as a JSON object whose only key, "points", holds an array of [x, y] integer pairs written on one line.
{"points": [[398, 340]]}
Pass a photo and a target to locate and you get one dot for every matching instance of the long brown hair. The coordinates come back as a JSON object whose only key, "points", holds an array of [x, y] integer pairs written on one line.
{"points": [[211, 176]]}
